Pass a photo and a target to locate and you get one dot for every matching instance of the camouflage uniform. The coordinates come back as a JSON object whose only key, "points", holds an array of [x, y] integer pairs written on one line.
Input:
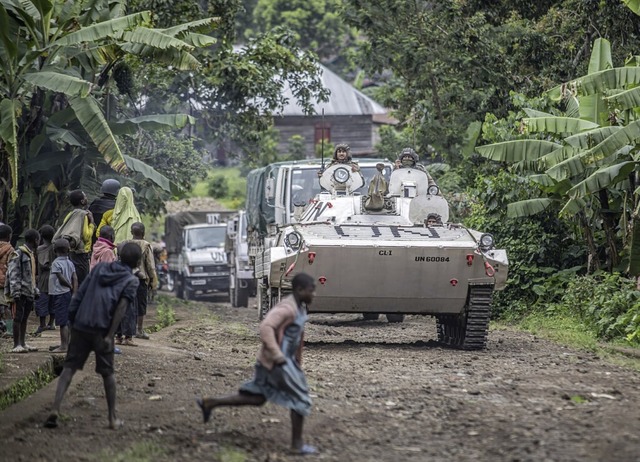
{"points": [[20, 286]]}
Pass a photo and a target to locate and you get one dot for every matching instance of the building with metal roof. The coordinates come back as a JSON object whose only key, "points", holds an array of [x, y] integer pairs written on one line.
{"points": [[350, 117]]}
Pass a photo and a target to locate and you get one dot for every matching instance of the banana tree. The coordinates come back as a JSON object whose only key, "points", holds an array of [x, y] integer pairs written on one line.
{"points": [[57, 59], [588, 157]]}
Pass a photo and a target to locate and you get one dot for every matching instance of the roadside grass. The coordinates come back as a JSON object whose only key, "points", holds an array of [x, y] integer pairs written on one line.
{"points": [[143, 451], [165, 313], [236, 187], [28, 385], [572, 332], [228, 454]]}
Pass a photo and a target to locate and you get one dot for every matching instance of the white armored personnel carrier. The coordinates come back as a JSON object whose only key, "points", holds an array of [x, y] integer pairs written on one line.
{"points": [[387, 258]]}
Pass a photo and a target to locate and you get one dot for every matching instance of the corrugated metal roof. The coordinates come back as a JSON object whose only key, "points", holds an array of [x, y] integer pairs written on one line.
{"points": [[343, 100]]}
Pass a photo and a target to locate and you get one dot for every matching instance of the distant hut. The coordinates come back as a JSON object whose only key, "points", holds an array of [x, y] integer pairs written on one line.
{"points": [[349, 117]]}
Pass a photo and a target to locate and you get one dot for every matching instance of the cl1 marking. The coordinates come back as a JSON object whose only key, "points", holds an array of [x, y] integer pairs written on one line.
{"points": [[384, 252], [434, 259]]}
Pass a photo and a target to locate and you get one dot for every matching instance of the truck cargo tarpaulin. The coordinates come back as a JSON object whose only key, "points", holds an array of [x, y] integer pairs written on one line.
{"points": [[174, 223]]}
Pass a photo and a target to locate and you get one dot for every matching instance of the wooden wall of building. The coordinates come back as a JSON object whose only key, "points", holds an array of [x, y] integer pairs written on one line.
{"points": [[359, 132]]}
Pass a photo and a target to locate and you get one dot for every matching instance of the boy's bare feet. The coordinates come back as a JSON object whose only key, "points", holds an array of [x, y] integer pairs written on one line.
{"points": [[114, 424], [52, 420]]}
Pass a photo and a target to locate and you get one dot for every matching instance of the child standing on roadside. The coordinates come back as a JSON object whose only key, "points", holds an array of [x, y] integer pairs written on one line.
{"points": [[20, 287], [6, 249], [147, 275], [95, 312], [63, 282], [104, 250], [45, 256], [278, 376]]}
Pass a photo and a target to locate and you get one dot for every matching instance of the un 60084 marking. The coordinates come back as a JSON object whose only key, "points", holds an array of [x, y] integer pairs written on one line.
{"points": [[432, 259]]}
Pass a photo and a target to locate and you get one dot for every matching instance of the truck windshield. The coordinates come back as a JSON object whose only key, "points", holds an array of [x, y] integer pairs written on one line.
{"points": [[305, 183], [200, 238]]}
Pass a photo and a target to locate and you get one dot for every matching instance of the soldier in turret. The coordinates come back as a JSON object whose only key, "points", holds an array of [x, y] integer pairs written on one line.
{"points": [[409, 159], [342, 155]]}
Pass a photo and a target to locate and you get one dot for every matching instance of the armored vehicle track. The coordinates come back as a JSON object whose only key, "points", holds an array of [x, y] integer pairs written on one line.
{"points": [[469, 329]]}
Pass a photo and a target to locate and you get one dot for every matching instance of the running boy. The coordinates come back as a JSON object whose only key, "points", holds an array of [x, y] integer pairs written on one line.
{"points": [[63, 282], [95, 312], [20, 287], [278, 376], [45, 256]]}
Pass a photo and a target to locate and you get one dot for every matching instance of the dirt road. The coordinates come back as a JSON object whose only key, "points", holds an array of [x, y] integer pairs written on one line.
{"points": [[382, 392]]}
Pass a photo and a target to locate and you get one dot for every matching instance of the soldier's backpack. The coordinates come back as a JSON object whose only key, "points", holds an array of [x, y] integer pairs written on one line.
{"points": [[71, 230], [377, 189]]}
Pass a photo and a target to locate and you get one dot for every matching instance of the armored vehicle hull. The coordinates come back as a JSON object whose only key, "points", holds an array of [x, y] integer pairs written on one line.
{"points": [[390, 260]]}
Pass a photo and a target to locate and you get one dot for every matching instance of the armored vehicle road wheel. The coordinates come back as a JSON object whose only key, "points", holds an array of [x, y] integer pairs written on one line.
{"points": [[468, 330], [370, 316], [394, 317]]}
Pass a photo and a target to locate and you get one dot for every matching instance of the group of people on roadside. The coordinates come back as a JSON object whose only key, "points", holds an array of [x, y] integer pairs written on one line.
{"points": [[44, 273]]}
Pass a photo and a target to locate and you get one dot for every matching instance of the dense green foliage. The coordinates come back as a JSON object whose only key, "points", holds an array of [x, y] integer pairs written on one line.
{"points": [[454, 60]]}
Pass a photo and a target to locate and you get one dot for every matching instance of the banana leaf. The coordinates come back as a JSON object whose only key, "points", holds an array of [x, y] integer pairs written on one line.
{"points": [[573, 107], [594, 108], [47, 162], [198, 40], [151, 173], [101, 30], [602, 179], [90, 116], [568, 168], [598, 82], [535, 113], [60, 83], [179, 59], [9, 45], [152, 122], [10, 110], [64, 135], [516, 151], [543, 180], [471, 138], [199, 25], [572, 208], [634, 5], [589, 139], [528, 207], [154, 39], [600, 56], [627, 99], [627, 136], [558, 124], [556, 156]]}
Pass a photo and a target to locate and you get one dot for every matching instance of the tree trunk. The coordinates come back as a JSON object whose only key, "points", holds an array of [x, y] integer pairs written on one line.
{"points": [[608, 222], [593, 263]]}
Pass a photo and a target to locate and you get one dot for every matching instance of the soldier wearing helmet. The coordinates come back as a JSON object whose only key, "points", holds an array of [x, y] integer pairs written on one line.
{"points": [[342, 155], [107, 201], [408, 158]]}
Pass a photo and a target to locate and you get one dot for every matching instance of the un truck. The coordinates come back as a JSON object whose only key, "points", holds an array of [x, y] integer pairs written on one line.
{"points": [[241, 280], [196, 255]]}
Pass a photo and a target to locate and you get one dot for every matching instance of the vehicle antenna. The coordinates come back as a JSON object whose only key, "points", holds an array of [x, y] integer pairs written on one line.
{"points": [[322, 140]]}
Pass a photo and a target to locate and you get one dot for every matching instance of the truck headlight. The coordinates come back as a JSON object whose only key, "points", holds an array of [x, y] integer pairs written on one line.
{"points": [[293, 240], [486, 241]]}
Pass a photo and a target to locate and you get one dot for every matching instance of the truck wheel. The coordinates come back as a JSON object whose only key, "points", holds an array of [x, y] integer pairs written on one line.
{"points": [[242, 297], [233, 295], [370, 316], [180, 288], [395, 317]]}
